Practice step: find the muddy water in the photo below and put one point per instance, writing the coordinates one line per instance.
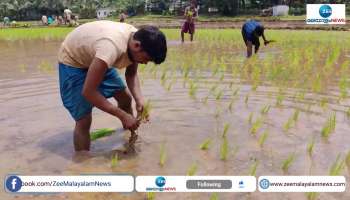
(36, 131)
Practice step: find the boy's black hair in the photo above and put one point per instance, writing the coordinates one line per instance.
(153, 42)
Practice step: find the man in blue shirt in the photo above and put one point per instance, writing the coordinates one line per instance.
(251, 31)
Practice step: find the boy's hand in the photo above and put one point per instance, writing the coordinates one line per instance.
(139, 108)
(266, 42)
(130, 122)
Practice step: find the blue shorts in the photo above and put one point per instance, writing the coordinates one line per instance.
(71, 85)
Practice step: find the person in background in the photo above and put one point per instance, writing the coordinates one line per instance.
(122, 17)
(44, 20)
(6, 21)
(49, 20)
(67, 16)
(251, 31)
(190, 14)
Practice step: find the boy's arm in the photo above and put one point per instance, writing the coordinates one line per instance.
(95, 75)
(133, 82)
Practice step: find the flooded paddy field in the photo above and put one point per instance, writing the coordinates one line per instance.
(285, 111)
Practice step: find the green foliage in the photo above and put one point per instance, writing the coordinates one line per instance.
(205, 145)
(101, 133)
(253, 167)
(226, 127)
(192, 170)
(224, 149)
(288, 162)
(329, 127)
(310, 146)
(263, 138)
(162, 155)
(337, 167)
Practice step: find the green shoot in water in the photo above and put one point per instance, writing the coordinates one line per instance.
(226, 127)
(146, 110)
(192, 90)
(250, 118)
(192, 170)
(231, 105)
(114, 160)
(279, 99)
(337, 167)
(219, 95)
(163, 156)
(348, 113)
(288, 162)
(224, 149)
(255, 126)
(235, 92)
(310, 146)
(253, 167)
(329, 127)
(263, 138)
(205, 145)
(312, 195)
(347, 159)
(101, 133)
(288, 124)
(246, 99)
(296, 115)
(214, 196)
(265, 110)
(151, 195)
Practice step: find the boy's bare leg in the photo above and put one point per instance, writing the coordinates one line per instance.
(192, 37)
(182, 36)
(82, 133)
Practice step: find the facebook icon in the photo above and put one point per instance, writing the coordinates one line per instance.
(13, 183)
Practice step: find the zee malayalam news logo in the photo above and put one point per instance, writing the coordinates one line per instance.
(325, 14)
(160, 183)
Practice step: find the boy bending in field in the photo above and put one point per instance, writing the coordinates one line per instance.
(87, 75)
(251, 31)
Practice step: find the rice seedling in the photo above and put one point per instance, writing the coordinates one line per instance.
(192, 170)
(224, 149)
(250, 118)
(151, 195)
(218, 112)
(230, 105)
(288, 162)
(214, 196)
(337, 167)
(163, 156)
(222, 77)
(219, 95)
(310, 146)
(205, 145)
(296, 115)
(226, 127)
(348, 113)
(146, 110)
(215, 72)
(265, 110)
(263, 138)
(255, 126)
(192, 90)
(311, 195)
(253, 167)
(246, 99)
(347, 159)
(279, 99)
(101, 133)
(205, 99)
(235, 92)
(329, 127)
(288, 124)
(114, 160)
